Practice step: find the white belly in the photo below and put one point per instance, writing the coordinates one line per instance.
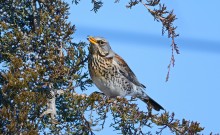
(109, 88)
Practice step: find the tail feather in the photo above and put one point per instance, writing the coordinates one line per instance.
(153, 103)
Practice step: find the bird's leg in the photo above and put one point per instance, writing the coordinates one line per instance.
(133, 98)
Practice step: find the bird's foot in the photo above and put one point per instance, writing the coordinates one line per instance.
(97, 93)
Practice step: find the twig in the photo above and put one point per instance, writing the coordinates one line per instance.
(51, 104)
(168, 25)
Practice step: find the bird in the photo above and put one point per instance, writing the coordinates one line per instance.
(112, 75)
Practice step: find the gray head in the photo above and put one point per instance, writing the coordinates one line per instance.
(100, 46)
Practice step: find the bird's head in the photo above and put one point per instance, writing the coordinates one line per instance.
(100, 46)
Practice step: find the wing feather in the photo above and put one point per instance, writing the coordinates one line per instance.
(126, 71)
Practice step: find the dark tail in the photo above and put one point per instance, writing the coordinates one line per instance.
(153, 103)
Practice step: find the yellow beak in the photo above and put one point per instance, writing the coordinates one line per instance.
(92, 40)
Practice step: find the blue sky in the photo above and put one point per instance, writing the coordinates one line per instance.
(193, 89)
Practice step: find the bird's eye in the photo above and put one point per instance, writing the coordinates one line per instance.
(101, 42)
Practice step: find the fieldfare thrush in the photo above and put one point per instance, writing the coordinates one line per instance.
(111, 74)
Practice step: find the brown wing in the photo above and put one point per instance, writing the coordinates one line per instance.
(126, 71)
